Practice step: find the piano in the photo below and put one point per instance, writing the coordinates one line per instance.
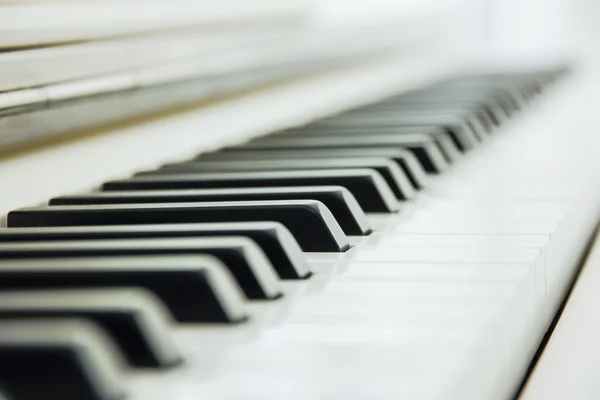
(312, 213)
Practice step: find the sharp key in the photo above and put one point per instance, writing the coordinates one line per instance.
(388, 169)
(67, 359)
(457, 126)
(441, 137)
(134, 319)
(193, 288)
(311, 223)
(422, 145)
(337, 199)
(4, 395)
(367, 186)
(241, 256)
(273, 238)
(404, 158)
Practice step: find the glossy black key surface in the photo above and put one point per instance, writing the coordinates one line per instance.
(368, 186)
(134, 319)
(242, 257)
(488, 112)
(4, 394)
(422, 145)
(443, 102)
(274, 239)
(311, 223)
(441, 137)
(458, 127)
(337, 199)
(404, 158)
(498, 103)
(193, 288)
(67, 359)
(388, 169)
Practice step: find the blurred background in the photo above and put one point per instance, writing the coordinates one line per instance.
(229, 46)
(522, 26)
(492, 29)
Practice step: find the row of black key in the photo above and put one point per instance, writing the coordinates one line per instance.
(191, 242)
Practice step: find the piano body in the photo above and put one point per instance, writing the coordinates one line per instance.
(266, 210)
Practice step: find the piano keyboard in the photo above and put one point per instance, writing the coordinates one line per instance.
(404, 249)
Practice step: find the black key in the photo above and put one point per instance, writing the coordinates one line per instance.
(503, 100)
(478, 105)
(390, 112)
(134, 319)
(368, 186)
(193, 288)
(423, 146)
(241, 256)
(441, 137)
(274, 239)
(488, 111)
(457, 98)
(311, 223)
(404, 158)
(4, 395)
(463, 135)
(388, 169)
(337, 199)
(66, 359)
(465, 127)
(493, 85)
